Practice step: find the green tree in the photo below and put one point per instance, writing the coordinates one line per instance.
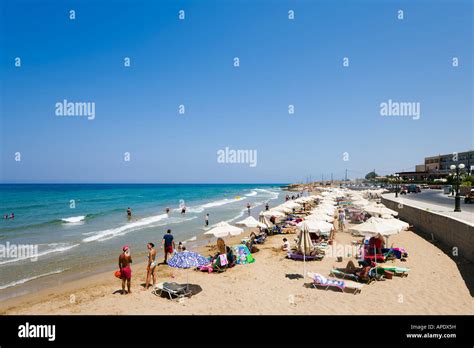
(371, 176)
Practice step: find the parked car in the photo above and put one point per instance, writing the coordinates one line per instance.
(469, 198)
(413, 188)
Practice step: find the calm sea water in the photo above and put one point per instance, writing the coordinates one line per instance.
(79, 228)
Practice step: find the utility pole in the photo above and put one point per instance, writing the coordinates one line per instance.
(345, 179)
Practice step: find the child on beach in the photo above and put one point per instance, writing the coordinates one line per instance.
(286, 245)
(125, 259)
(207, 220)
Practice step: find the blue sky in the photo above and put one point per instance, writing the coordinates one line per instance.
(190, 62)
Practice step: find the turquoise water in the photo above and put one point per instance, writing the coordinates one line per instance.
(78, 228)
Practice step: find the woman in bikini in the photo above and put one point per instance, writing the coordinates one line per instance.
(151, 266)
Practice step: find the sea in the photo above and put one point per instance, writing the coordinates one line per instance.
(62, 232)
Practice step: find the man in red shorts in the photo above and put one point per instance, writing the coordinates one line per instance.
(168, 244)
(125, 259)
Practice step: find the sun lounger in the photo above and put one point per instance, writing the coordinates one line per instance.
(172, 289)
(294, 256)
(326, 283)
(400, 271)
(340, 273)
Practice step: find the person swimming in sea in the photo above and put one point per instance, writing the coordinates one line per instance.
(167, 210)
(183, 210)
(129, 213)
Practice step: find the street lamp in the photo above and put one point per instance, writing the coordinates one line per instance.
(457, 198)
(396, 175)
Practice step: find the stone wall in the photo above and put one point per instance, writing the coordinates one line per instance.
(449, 231)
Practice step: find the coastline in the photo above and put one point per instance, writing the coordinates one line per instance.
(434, 286)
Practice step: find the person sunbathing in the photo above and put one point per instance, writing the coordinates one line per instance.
(361, 272)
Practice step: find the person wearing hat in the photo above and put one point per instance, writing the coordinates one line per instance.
(125, 259)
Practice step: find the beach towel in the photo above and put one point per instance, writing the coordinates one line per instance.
(242, 254)
(223, 259)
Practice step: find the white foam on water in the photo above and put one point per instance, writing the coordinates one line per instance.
(56, 248)
(273, 194)
(74, 219)
(252, 194)
(151, 221)
(213, 204)
(24, 280)
(132, 226)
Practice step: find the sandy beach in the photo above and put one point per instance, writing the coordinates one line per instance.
(271, 285)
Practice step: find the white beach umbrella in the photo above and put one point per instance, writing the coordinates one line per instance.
(223, 229)
(273, 212)
(281, 208)
(379, 210)
(251, 222)
(291, 205)
(399, 224)
(317, 226)
(374, 226)
(320, 216)
(305, 246)
(322, 211)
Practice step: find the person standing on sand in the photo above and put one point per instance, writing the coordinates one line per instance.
(151, 266)
(125, 259)
(267, 206)
(168, 244)
(207, 219)
(341, 217)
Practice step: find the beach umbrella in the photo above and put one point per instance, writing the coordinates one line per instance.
(360, 202)
(324, 211)
(264, 219)
(317, 226)
(291, 205)
(187, 259)
(223, 229)
(320, 216)
(379, 210)
(273, 212)
(374, 226)
(401, 225)
(281, 208)
(305, 246)
(251, 222)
